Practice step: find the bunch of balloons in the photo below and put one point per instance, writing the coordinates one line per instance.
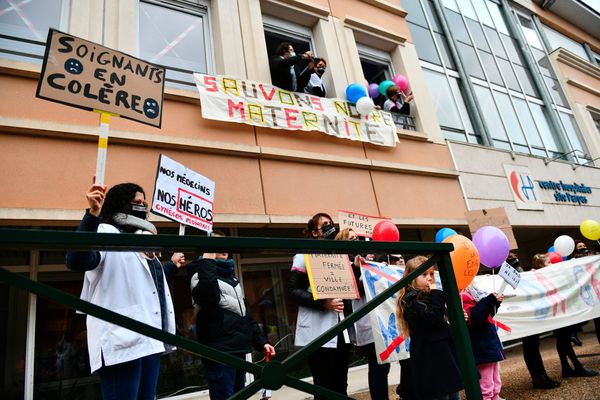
(355, 93)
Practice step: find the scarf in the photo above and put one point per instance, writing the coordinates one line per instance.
(130, 224)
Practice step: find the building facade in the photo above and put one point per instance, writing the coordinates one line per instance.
(496, 84)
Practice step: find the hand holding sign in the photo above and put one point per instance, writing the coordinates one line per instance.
(95, 198)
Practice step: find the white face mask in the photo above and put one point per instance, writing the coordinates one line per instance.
(292, 54)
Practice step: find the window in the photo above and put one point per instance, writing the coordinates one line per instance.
(376, 64)
(24, 27)
(557, 39)
(176, 34)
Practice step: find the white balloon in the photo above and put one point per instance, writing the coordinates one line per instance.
(564, 245)
(365, 105)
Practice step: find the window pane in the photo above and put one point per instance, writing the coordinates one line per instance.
(461, 104)
(443, 48)
(497, 17)
(467, 9)
(544, 127)
(557, 40)
(510, 118)
(573, 133)
(514, 54)
(457, 26)
(531, 131)
(543, 61)
(495, 42)
(414, 12)
(531, 36)
(482, 12)
(28, 20)
(424, 44)
(491, 116)
(526, 80)
(490, 68)
(446, 109)
(470, 60)
(556, 91)
(433, 18)
(451, 4)
(477, 34)
(509, 75)
(174, 39)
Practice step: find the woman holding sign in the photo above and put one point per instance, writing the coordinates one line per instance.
(130, 283)
(329, 364)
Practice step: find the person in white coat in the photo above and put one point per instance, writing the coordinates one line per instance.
(130, 283)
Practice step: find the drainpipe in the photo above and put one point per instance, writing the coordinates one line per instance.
(551, 114)
(473, 106)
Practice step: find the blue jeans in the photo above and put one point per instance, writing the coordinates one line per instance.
(130, 380)
(223, 381)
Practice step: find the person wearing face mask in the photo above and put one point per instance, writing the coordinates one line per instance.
(397, 101)
(223, 321)
(315, 85)
(328, 364)
(285, 72)
(581, 249)
(130, 283)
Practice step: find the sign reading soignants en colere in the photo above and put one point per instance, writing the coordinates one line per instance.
(238, 100)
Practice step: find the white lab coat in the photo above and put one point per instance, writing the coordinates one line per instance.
(122, 283)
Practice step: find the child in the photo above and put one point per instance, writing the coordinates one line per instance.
(421, 313)
(487, 348)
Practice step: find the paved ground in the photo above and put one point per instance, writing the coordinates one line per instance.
(517, 383)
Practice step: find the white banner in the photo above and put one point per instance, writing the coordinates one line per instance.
(183, 195)
(229, 99)
(559, 295)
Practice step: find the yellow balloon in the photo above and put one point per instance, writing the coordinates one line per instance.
(590, 229)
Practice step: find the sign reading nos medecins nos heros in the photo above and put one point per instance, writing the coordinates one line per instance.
(87, 75)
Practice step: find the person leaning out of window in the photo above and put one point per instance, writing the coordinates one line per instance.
(315, 85)
(285, 72)
(397, 101)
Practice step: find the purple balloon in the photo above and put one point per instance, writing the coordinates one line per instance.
(373, 90)
(492, 245)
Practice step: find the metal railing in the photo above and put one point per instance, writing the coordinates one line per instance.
(273, 374)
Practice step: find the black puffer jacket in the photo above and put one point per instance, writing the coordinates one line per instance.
(223, 320)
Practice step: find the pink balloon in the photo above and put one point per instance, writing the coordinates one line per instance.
(401, 81)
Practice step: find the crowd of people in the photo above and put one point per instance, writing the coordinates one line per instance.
(136, 284)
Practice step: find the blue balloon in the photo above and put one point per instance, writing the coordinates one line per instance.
(443, 234)
(565, 258)
(354, 91)
(551, 249)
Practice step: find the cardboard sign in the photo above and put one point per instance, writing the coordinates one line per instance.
(331, 276)
(230, 99)
(491, 217)
(510, 275)
(360, 223)
(183, 195)
(84, 74)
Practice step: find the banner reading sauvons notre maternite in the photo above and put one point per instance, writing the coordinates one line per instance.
(238, 100)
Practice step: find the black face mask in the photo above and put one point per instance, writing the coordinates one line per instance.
(328, 231)
(583, 251)
(137, 210)
(321, 71)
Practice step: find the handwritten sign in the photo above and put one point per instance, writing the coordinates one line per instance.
(360, 223)
(183, 195)
(510, 275)
(87, 75)
(237, 100)
(491, 217)
(331, 276)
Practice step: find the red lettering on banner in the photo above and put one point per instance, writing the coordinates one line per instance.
(267, 96)
(290, 119)
(211, 83)
(239, 107)
(552, 294)
(316, 102)
(347, 127)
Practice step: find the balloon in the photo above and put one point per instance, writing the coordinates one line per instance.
(401, 81)
(492, 245)
(550, 249)
(383, 86)
(373, 90)
(355, 91)
(554, 257)
(589, 228)
(386, 231)
(443, 234)
(365, 105)
(465, 260)
(564, 245)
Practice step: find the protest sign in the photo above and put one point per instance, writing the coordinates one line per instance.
(331, 276)
(491, 217)
(87, 75)
(360, 223)
(230, 99)
(509, 274)
(183, 195)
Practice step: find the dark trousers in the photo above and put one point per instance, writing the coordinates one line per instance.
(597, 326)
(405, 389)
(378, 373)
(329, 368)
(223, 380)
(130, 380)
(564, 348)
(532, 356)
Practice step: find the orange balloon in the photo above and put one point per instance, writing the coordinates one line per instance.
(465, 260)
